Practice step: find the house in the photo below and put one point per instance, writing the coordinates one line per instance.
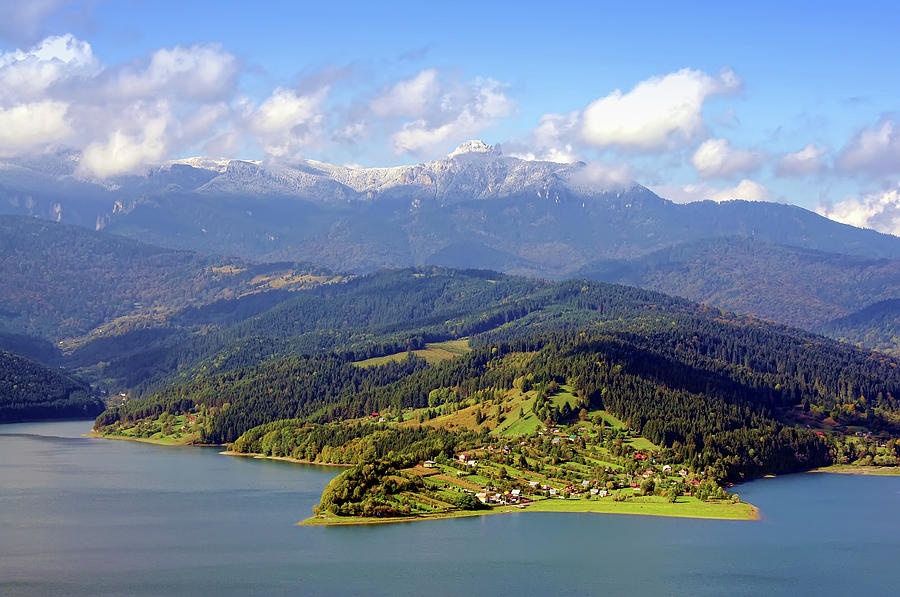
(555, 440)
(516, 492)
(429, 464)
(683, 473)
(463, 457)
(603, 493)
(585, 483)
(553, 491)
(595, 491)
(533, 483)
(666, 468)
(640, 456)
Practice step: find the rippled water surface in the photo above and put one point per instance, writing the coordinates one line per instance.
(83, 516)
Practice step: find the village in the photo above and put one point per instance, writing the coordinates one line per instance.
(581, 462)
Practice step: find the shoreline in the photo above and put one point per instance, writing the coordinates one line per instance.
(849, 469)
(147, 440)
(749, 513)
(257, 456)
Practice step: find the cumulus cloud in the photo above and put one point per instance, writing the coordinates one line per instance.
(200, 71)
(447, 112)
(808, 160)
(57, 93)
(288, 122)
(873, 150)
(409, 97)
(27, 127)
(746, 190)
(550, 140)
(597, 176)
(879, 211)
(124, 151)
(716, 158)
(658, 113)
(28, 74)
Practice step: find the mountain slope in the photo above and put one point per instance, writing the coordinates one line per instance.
(725, 392)
(31, 391)
(63, 281)
(801, 287)
(527, 217)
(876, 326)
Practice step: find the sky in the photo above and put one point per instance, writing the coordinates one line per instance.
(796, 102)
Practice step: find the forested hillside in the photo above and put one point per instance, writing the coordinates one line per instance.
(787, 284)
(731, 394)
(801, 287)
(63, 281)
(386, 312)
(31, 391)
(876, 326)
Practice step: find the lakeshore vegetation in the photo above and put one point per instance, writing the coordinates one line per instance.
(564, 387)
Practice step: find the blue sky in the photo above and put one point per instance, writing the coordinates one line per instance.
(793, 102)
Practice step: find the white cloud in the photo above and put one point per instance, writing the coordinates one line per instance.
(27, 74)
(200, 71)
(57, 93)
(28, 127)
(142, 137)
(409, 97)
(597, 176)
(287, 122)
(717, 158)
(658, 113)
(808, 160)
(746, 190)
(550, 140)
(460, 111)
(879, 211)
(873, 150)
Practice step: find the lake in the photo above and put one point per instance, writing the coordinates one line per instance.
(85, 516)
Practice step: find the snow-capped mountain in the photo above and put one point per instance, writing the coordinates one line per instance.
(473, 170)
(473, 208)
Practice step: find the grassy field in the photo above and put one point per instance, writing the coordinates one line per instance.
(564, 396)
(166, 430)
(849, 469)
(685, 507)
(434, 352)
(608, 418)
(159, 441)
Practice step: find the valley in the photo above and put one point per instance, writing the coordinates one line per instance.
(543, 379)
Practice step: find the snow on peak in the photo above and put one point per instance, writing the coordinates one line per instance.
(218, 165)
(476, 146)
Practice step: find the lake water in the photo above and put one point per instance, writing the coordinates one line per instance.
(82, 516)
